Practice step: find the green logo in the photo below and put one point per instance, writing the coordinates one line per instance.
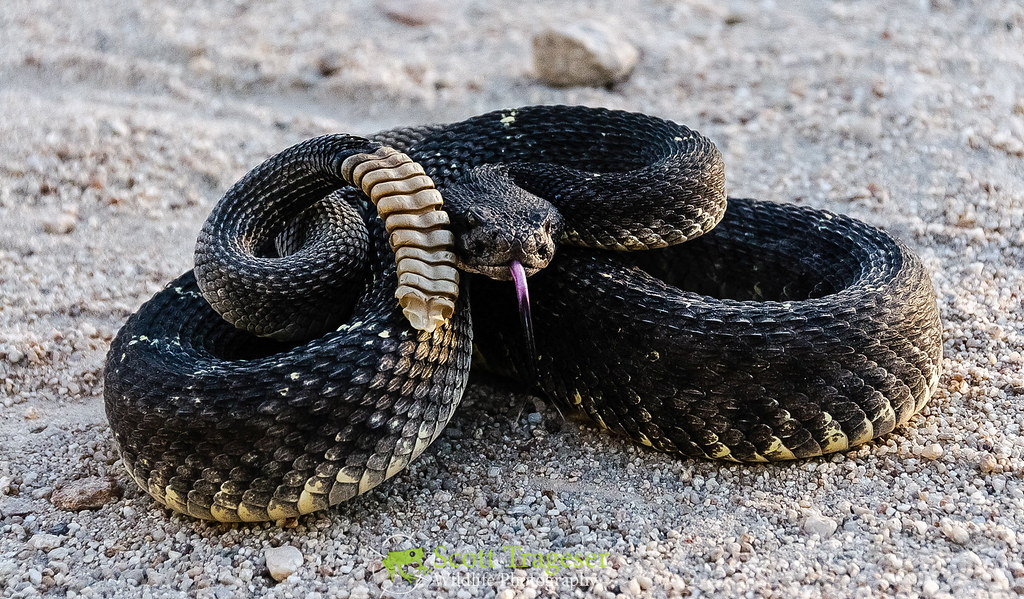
(396, 561)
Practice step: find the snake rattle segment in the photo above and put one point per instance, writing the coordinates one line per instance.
(324, 338)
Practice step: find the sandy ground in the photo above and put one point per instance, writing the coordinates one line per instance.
(122, 122)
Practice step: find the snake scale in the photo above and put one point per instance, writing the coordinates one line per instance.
(280, 376)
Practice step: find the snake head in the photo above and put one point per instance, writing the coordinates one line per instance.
(496, 223)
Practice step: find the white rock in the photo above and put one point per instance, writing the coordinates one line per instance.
(15, 355)
(282, 561)
(931, 452)
(954, 531)
(45, 541)
(817, 524)
(588, 53)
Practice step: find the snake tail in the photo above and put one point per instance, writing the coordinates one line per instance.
(418, 232)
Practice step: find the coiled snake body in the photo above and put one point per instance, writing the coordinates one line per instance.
(783, 332)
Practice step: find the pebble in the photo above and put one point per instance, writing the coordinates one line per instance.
(31, 413)
(583, 54)
(954, 531)
(86, 493)
(932, 451)
(817, 524)
(45, 541)
(634, 587)
(987, 463)
(15, 355)
(282, 561)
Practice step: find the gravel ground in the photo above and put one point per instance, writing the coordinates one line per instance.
(122, 122)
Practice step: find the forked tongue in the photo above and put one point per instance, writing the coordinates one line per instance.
(525, 318)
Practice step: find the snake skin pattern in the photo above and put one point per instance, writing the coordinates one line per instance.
(784, 332)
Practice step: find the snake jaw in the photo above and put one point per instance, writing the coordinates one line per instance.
(519, 275)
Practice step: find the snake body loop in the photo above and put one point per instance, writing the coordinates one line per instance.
(281, 376)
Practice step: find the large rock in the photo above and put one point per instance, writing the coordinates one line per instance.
(282, 561)
(86, 493)
(583, 54)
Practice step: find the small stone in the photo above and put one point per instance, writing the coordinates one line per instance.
(588, 53)
(282, 561)
(816, 524)
(931, 452)
(15, 355)
(88, 329)
(930, 588)
(158, 534)
(360, 592)
(954, 531)
(86, 493)
(987, 463)
(507, 594)
(534, 418)
(61, 224)
(645, 582)
(45, 541)
(634, 587)
(413, 13)
(31, 413)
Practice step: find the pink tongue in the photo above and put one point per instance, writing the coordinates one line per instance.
(525, 318)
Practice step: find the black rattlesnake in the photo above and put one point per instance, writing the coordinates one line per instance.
(783, 332)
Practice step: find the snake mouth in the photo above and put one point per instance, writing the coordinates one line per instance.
(518, 274)
(502, 272)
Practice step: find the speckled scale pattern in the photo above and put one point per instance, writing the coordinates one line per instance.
(621, 180)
